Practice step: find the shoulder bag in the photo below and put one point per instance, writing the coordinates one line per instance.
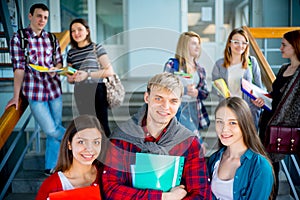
(115, 91)
(283, 139)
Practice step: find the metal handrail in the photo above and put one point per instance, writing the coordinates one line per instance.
(20, 160)
(288, 176)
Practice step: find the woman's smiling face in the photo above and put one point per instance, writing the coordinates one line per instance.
(227, 127)
(86, 146)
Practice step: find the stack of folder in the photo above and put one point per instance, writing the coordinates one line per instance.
(159, 172)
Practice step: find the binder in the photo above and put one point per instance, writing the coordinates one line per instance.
(83, 193)
(255, 92)
(159, 172)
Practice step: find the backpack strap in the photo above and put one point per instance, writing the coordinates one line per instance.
(24, 43)
(250, 68)
(54, 46)
(175, 65)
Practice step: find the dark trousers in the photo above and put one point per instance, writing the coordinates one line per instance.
(91, 99)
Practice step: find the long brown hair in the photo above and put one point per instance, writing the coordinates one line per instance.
(182, 50)
(245, 121)
(65, 158)
(228, 53)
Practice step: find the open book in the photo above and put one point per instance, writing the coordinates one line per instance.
(255, 92)
(89, 192)
(43, 69)
(159, 172)
(62, 71)
(222, 88)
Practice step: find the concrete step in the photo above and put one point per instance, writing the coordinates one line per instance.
(28, 181)
(20, 196)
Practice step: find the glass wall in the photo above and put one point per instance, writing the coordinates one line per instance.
(109, 17)
(204, 17)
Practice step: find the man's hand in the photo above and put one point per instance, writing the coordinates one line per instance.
(175, 193)
(13, 101)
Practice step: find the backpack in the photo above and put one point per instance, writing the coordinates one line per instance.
(24, 44)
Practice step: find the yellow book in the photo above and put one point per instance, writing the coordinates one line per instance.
(43, 69)
(222, 88)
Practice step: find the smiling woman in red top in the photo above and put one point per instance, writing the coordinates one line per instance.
(78, 164)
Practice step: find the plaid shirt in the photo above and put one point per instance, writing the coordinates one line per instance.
(117, 179)
(36, 85)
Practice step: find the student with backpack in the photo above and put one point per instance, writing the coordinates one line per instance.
(237, 64)
(34, 45)
(192, 113)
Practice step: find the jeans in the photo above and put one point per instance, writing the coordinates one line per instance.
(187, 115)
(48, 115)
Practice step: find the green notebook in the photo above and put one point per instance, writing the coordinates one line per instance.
(159, 172)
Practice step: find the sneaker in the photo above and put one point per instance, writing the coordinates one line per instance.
(48, 172)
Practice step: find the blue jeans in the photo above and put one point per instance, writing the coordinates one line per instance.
(48, 115)
(187, 115)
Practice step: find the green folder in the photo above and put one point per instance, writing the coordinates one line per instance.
(158, 172)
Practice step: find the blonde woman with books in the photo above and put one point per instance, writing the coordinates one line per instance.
(192, 112)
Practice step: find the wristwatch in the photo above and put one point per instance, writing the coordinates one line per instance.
(89, 75)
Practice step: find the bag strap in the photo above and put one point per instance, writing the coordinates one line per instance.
(285, 97)
(250, 68)
(24, 43)
(54, 46)
(96, 57)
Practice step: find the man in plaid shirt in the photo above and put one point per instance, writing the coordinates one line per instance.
(41, 89)
(155, 129)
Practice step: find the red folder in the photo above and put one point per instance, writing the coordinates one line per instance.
(89, 192)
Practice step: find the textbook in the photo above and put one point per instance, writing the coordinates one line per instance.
(43, 69)
(222, 88)
(158, 172)
(62, 71)
(255, 92)
(182, 74)
(67, 70)
(83, 193)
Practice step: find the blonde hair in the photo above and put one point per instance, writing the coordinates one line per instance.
(182, 50)
(167, 81)
(227, 51)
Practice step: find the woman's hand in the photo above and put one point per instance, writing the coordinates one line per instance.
(71, 78)
(259, 102)
(80, 76)
(175, 193)
(191, 90)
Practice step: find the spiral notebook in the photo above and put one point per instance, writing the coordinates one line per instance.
(159, 172)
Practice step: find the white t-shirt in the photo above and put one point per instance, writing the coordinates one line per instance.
(223, 190)
(235, 73)
(66, 185)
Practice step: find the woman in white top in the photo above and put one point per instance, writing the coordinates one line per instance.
(78, 164)
(237, 64)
